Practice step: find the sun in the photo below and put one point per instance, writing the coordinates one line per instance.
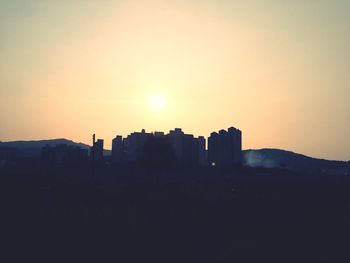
(157, 102)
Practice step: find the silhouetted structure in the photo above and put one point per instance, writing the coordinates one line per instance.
(96, 151)
(63, 154)
(202, 152)
(7, 154)
(225, 148)
(117, 149)
(157, 154)
(176, 138)
(133, 144)
(188, 150)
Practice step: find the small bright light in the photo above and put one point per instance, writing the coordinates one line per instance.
(157, 102)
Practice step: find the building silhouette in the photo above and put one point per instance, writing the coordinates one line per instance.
(225, 148)
(157, 154)
(96, 151)
(117, 149)
(133, 145)
(202, 152)
(176, 139)
(189, 151)
(63, 154)
(7, 154)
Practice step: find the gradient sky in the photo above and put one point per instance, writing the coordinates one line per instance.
(278, 70)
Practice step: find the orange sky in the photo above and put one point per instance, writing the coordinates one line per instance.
(278, 71)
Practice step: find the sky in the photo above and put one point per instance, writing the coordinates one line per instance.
(277, 70)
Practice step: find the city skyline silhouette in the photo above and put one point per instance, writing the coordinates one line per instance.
(174, 131)
(279, 72)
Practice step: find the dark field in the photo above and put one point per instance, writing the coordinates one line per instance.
(181, 217)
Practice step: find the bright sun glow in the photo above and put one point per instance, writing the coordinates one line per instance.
(157, 102)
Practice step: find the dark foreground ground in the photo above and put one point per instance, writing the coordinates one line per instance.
(184, 217)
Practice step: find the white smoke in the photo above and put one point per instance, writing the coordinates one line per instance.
(256, 159)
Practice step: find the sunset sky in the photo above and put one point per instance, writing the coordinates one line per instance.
(277, 70)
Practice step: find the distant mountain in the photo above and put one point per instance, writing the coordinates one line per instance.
(33, 148)
(275, 158)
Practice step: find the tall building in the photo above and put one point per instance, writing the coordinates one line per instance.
(99, 150)
(96, 151)
(176, 139)
(189, 151)
(225, 148)
(213, 148)
(202, 153)
(117, 149)
(235, 138)
(134, 143)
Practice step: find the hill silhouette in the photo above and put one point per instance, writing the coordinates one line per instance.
(276, 158)
(33, 148)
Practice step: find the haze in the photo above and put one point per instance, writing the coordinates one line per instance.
(278, 70)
